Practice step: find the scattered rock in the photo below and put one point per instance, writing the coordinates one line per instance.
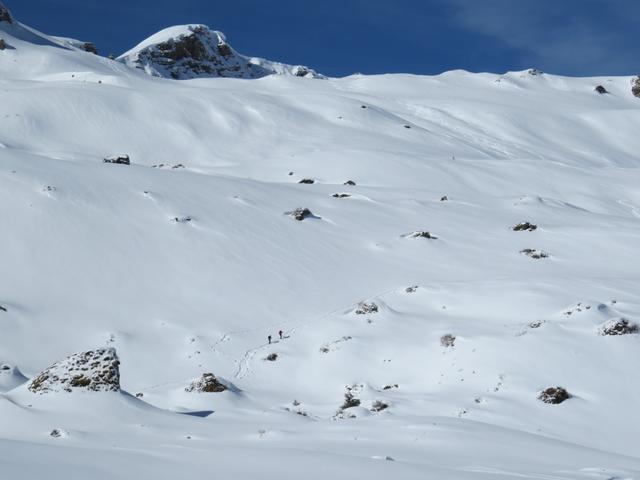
(448, 340)
(3, 44)
(118, 159)
(307, 181)
(168, 166)
(524, 226)
(379, 406)
(300, 214)
(534, 72)
(366, 308)
(272, 357)
(407, 126)
(182, 219)
(421, 234)
(619, 326)
(59, 433)
(601, 90)
(139, 395)
(635, 86)
(363, 106)
(411, 289)
(94, 370)
(536, 324)
(350, 183)
(208, 383)
(554, 395)
(340, 195)
(444, 199)
(389, 387)
(532, 253)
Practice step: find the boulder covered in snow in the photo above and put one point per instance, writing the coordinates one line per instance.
(93, 370)
(619, 326)
(195, 51)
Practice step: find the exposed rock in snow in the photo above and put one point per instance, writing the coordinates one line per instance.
(448, 340)
(79, 44)
(421, 234)
(94, 370)
(195, 51)
(533, 253)
(554, 395)
(524, 226)
(118, 159)
(207, 383)
(366, 308)
(635, 86)
(619, 326)
(300, 213)
(601, 90)
(5, 15)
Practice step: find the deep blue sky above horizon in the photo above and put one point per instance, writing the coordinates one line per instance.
(340, 37)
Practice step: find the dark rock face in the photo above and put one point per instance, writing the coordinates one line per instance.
(524, 226)
(554, 395)
(94, 370)
(118, 159)
(635, 86)
(307, 181)
(601, 90)
(195, 51)
(340, 195)
(208, 383)
(350, 183)
(620, 326)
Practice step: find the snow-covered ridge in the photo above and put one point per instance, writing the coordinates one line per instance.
(195, 51)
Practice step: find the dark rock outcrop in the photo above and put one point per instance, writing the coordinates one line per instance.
(118, 159)
(635, 86)
(5, 15)
(195, 51)
(94, 370)
(524, 226)
(207, 383)
(601, 90)
(619, 326)
(365, 308)
(554, 395)
(300, 214)
(533, 253)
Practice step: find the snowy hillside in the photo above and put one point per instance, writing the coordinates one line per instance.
(194, 51)
(468, 259)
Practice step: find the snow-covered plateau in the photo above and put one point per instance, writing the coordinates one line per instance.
(453, 262)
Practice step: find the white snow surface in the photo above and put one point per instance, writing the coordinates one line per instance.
(187, 267)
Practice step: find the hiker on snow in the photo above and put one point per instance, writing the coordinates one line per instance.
(280, 333)
(269, 338)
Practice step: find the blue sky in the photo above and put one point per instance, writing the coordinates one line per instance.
(340, 37)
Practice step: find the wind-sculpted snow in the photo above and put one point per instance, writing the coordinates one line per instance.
(466, 308)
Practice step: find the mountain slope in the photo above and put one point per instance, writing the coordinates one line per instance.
(195, 51)
(186, 260)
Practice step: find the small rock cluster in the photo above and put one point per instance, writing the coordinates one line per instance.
(422, 234)
(300, 214)
(533, 253)
(93, 370)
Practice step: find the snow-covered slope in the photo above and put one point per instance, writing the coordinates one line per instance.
(402, 355)
(194, 51)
